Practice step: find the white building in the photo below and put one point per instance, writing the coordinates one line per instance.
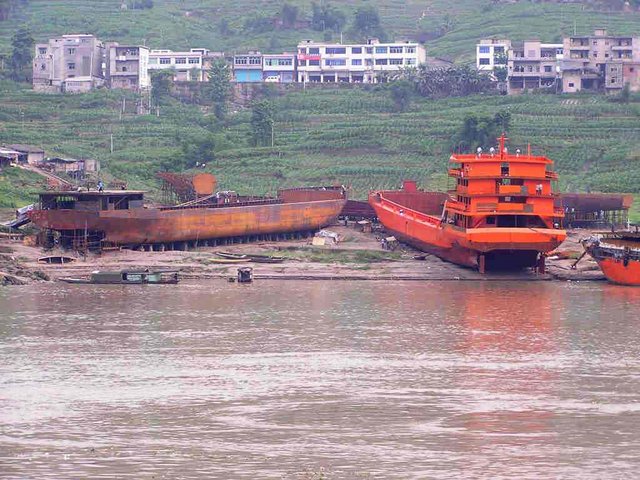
(359, 63)
(492, 53)
(126, 67)
(189, 66)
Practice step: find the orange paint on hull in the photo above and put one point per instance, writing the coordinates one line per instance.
(461, 246)
(616, 271)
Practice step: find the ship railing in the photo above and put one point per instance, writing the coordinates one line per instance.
(455, 172)
(456, 205)
(558, 212)
(551, 175)
(270, 201)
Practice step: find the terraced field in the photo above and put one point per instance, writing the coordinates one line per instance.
(351, 137)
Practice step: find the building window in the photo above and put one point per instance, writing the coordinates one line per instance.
(181, 60)
(410, 49)
(196, 61)
(485, 61)
(285, 62)
(314, 63)
(43, 67)
(547, 68)
(165, 61)
(613, 80)
(71, 66)
(357, 61)
(335, 62)
(484, 49)
(241, 60)
(395, 49)
(381, 49)
(253, 61)
(336, 50)
(381, 61)
(302, 50)
(42, 51)
(571, 84)
(395, 61)
(606, 55)
(314, 51)
(71, 51)
(356, 50)
(410, 61)
(369, 49)
(302, 63)
(153, 61)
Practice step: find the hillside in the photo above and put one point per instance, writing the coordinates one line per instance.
(449, 28)
(348, 136)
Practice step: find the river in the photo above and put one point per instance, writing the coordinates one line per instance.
(310, 380)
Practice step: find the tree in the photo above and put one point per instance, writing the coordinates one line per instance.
(481, 131)
(366, 23)
(220, 87)
(21, 55)
(500, 73)
(289, 15)
(161, 85)
(451, 81)
(262, 122)
(401, 92)
(198, 150)
(326, 17)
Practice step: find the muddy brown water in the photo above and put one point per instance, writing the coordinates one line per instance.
(320, 379)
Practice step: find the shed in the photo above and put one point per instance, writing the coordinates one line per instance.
(8, 156)
(30, 154)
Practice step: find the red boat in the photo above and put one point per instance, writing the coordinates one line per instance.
(500, 215)
(618, 255)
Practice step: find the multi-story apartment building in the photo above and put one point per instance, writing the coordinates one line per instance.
(247, 67)
(127, 67)
(191, 66)
(360, 63)
(492, 53)
(280, 68)
(590, 61)
(70, 63)
(533, 65)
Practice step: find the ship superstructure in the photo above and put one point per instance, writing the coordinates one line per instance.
(501, 214)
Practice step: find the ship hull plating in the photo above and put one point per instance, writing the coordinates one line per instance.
(155, 225)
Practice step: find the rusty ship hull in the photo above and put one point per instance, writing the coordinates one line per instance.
(293, 211)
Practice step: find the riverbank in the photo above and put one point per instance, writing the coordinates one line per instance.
(357, 256)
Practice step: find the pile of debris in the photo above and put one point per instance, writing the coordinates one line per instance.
(13, 272)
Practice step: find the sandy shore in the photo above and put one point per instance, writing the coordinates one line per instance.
(358, 256)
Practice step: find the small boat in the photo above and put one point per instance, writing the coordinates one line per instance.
(229, 260)
(57, 259)
(266, 259)
(232, 255)
(128, 277)
(618, 255)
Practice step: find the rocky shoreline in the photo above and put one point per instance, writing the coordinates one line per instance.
(358, 256)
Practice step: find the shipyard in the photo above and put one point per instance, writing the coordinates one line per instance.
(319, 239)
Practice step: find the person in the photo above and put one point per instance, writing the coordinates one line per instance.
(100, 186)
(539, 189)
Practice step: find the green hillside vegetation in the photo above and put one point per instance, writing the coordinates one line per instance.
(450, 29)
(349, 136)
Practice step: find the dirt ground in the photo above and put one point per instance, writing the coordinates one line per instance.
(358, 256)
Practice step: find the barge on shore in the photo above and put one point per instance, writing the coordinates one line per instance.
(502, 213)
(91, 220)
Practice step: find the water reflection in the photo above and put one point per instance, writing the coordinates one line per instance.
(278, 380)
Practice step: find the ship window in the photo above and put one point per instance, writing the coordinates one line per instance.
(504, 169)
(491, 220)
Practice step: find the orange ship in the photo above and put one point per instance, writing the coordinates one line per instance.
(618, 255)
(501, 214)
(95, 219)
